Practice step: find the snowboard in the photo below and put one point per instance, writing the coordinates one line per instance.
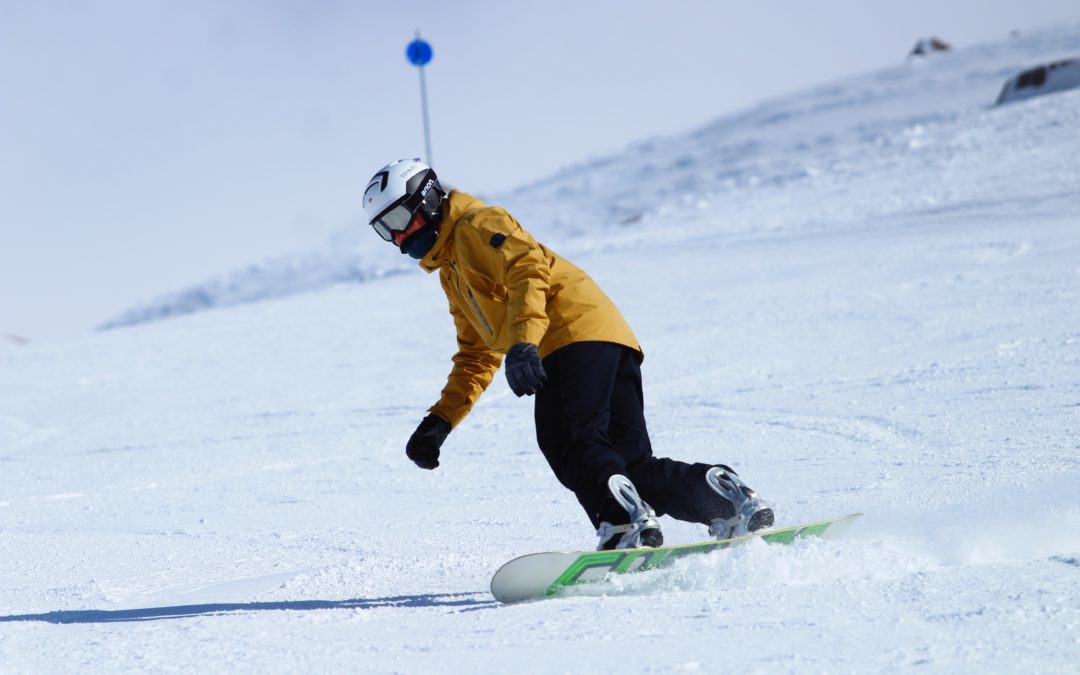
(540, 575)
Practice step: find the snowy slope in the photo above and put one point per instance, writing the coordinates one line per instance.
(865, 297)
(793, 149)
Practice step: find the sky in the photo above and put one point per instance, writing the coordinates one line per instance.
(148, 145)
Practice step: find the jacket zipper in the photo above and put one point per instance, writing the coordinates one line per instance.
(480, 314)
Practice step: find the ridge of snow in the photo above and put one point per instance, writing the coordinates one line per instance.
(810, 139)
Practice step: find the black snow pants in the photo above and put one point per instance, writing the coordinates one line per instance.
(590, 425)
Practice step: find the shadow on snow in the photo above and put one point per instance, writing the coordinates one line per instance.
(460, 601)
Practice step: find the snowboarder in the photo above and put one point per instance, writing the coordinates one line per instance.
(566, 343)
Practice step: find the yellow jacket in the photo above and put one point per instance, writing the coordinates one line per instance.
(504, 288)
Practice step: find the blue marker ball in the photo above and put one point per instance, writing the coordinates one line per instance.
(418, 52)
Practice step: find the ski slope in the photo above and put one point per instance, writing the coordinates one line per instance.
(864, 296)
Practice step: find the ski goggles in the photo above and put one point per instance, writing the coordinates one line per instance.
(393, 221)
(398, 217)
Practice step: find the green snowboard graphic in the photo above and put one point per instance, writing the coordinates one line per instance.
(539, 575)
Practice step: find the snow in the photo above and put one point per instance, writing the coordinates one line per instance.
(865, 297)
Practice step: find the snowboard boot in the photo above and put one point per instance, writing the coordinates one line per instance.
(745, 512)
(641, 531)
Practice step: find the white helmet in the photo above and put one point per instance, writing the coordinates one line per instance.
(400, 189)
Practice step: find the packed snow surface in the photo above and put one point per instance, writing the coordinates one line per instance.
(865, 297)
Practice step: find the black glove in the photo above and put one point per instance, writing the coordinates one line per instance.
(423, 446)
(524, 371)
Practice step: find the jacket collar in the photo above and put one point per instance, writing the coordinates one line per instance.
(458, 204)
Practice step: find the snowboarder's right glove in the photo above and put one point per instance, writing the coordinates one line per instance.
(423, 446)
(524, 370)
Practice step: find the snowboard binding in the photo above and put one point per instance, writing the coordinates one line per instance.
(641, 531)
(749, 512)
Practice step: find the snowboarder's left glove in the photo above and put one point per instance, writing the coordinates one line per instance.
(423, 446)
(524, 370)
